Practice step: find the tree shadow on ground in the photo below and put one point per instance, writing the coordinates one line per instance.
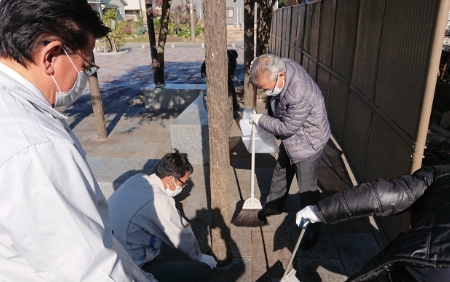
(311, 264)
(233, 270)
(148, 168)
(202, 225)
(118, 94)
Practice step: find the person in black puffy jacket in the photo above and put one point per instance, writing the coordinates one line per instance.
(420, 254)
(232, 56)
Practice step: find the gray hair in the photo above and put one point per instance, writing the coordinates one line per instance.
(266, 64)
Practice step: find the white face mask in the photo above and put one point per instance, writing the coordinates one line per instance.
(171, 193)
(275, 90)
(67, 98)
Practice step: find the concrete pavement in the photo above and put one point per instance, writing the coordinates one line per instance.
(137, 139)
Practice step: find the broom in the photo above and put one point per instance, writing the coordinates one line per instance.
(248, 216)
(290, 276)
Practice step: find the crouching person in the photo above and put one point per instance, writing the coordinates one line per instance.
(420, 254)
(143, 216)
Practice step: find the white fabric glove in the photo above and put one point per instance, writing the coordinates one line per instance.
(255, 118)
(308, 213)
(209, 260)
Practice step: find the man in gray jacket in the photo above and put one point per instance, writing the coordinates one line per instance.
(143, 216)
(296, 115)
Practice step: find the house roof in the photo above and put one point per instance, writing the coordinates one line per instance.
(107, 3)
(110, 6)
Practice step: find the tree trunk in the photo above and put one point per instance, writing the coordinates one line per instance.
(151, 36)
(217, 93)
(249, 50)
(97, 106)
(265, 13)
(157, 52)
(165, 18)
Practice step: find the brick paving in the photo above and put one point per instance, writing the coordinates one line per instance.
(137, 139)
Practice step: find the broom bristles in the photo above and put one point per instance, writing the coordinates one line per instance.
(248, 218)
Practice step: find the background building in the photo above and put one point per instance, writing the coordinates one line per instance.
(234, 11)
(101, 5)
(135, 9)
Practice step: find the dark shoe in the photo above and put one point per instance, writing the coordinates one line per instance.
(262, 216)
(310, 237)
(265, 212)
(274, 207)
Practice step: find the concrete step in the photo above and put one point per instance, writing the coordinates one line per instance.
(112, 172)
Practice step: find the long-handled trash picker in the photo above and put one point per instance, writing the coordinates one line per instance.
(249, 213)
(290, 276)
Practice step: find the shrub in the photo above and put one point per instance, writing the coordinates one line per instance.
(117, 35)
(184, 31)
(198, 30)
(140, 21)
(157, 23)
(171, 28)
(127, 30)
(180, 19)
(141, 30)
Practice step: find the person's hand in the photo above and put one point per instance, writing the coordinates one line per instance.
(308, 213)
(209, 260)
(254, 118)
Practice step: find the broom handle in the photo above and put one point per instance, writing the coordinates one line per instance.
(252, 181)
(303, 224)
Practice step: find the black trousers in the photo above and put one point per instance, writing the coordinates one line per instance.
(232, 91)
(175, 271)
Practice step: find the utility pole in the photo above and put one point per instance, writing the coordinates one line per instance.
(191, 12)
(217, 93)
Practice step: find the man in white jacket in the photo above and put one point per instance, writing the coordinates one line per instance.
(54, 220)
(143, 216)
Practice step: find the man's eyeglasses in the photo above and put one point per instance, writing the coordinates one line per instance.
(268, 91)
(183, 184)
(92, 69)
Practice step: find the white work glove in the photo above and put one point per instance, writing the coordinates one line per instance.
(254, 118)
(307, 213)
(209, 260)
